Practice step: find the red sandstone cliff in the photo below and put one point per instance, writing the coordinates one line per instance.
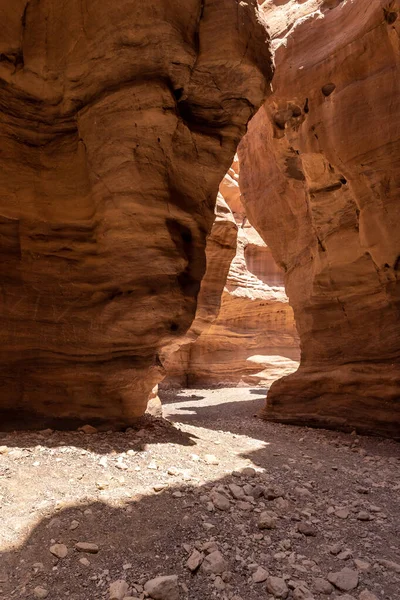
(118, 121)
(320, 176)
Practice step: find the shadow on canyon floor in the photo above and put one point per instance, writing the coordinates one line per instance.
(172, 396)
(144, 536)
(156, 431)
(210, 410)
(220, 409)
(140, 533)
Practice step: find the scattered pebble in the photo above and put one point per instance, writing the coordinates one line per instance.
(363, 515)
(267, 520)
(118, 590)
(344, 580)
(322, 586)
(40, 592)
(195, 560)
(260, 575)
(210, 459)
(220, 501)
(307, 529)
(389, 564)
(163, 588)
(367, 595)
(59, 550)
(88, 429)
(214, 563)
(277, 587)
(88, 547)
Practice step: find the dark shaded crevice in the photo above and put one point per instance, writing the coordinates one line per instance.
(197, 32)
(13, 58)
(178, 94)
(21, 60)
(329, 188)
(328, 89)
(191, 115)
(390, 16)
(188, 279)
(24, 15)
(293, 168)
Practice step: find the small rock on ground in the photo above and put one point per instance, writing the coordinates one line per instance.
(345, 580)
(164, 587)
(277, 587)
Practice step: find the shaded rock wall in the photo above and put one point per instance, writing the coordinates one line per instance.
(320, 178)
(220, 250)
(250, 337)
(118, 121)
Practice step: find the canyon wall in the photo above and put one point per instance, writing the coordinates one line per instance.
(220, 250)
(320, 179)
(118, 121)
(250, 337)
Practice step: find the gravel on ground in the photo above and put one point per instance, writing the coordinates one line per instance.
(210, 502)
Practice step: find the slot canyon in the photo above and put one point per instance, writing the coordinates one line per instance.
(200, 299)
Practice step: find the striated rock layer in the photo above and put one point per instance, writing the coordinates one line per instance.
(118, 121)
(320, 178)
(251, 336)
(220, 250)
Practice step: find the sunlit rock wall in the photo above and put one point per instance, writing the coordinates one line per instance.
(320, 179)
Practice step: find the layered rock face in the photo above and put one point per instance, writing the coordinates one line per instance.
(249, 336)
(118, 121)
(320, 178)
(220, 250)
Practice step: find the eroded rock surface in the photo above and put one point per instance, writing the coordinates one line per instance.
(118, 121)
(320, 181)
(220, 250)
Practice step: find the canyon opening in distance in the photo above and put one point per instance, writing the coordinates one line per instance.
(200, 299)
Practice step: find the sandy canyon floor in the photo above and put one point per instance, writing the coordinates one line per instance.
(234, 507)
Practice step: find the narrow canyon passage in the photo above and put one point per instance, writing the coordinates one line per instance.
(199, 299)
(117, 125)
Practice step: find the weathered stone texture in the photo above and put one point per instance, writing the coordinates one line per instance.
(117, 123)
(320, 178)
(249, 336)
(220, 250)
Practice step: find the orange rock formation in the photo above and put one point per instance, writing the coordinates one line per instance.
(320, 177)
(250, 337)
(118, 121)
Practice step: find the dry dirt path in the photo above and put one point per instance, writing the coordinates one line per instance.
(260, 510)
